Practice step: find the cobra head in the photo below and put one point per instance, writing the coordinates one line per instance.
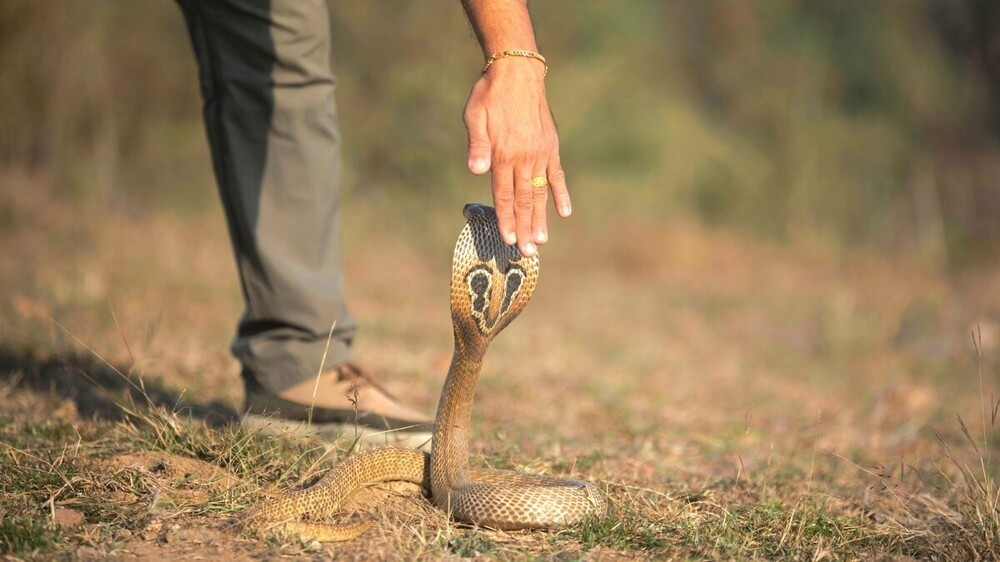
(491, 281)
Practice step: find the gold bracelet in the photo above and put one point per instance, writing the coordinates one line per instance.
(516, 53)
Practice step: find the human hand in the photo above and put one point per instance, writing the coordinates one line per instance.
(512, 133)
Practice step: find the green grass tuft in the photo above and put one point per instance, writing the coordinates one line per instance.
(625, 531)
(26, 535)
(470, 545)
(775, 530)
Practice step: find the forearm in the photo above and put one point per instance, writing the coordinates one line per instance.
(501, 25)
(511, 131)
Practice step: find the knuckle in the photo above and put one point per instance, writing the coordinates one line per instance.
(469, 116)
(523, 203)
(504, 155)
(538, 152)
(504, 196)
(557, 175)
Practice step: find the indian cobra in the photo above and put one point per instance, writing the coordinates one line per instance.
(491, 283)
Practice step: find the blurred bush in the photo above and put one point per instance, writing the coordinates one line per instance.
(846, 123)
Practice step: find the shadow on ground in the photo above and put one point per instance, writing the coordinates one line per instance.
(99, 390)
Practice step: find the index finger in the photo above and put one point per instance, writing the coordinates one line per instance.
(560, 193)
(502, 180)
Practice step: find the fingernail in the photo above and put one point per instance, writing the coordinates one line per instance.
(541, 237)
(511, 238)
(566, 210)
(480, 165)
(530, 249)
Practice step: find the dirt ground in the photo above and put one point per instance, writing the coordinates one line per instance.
(736, 398)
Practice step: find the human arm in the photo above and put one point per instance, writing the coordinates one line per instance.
(511, 130)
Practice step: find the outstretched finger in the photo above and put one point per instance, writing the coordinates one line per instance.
(523, 210)
(560, 193)
(540, 194)
(503, 199)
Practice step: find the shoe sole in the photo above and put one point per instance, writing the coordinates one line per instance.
(336, 433)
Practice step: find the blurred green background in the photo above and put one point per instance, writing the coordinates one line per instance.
(847, 124)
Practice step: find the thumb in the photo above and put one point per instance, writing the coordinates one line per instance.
(479, 140)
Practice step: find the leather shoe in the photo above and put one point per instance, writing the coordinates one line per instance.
(345, 403)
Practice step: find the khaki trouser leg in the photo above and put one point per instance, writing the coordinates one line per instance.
(264, 68)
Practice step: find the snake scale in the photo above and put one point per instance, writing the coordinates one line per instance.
(491, 283)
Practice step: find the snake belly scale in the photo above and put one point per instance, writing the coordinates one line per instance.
(491, 283)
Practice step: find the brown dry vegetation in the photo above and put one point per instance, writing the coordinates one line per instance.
(735, 398)
(755, 333)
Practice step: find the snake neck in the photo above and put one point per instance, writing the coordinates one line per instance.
(450, 449)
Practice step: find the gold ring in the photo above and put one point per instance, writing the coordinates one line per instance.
(539, 182)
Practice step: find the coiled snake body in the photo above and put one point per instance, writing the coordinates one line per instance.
(491, 283)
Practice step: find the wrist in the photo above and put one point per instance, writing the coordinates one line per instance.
(520, 59)
(520, 70)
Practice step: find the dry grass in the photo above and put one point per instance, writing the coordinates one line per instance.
(735, 399)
